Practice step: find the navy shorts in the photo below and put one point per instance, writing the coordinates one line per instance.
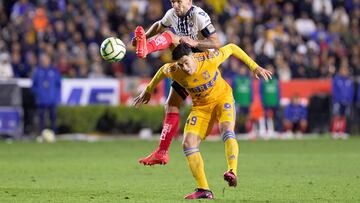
(179, 89)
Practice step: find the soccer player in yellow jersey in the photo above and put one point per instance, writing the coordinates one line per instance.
(212, 100)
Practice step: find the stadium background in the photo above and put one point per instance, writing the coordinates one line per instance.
(303, 42)
(96, 95)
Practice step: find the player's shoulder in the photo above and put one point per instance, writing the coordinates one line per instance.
(170, 14)
(198, 10)
(206, 55)
(169, 68)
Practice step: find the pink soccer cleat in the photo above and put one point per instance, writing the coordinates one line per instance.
(157, 157)
(231, 178)
(200, 194)
(141, 48)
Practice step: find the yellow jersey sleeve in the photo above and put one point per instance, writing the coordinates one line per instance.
(232, 49)
(156, 79)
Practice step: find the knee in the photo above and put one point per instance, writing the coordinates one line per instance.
(187, 144)
(190, 141)
(226, 127)
(171, 108)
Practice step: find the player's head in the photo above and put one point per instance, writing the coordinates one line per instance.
(181, 7)
(45, 60)
(182, 54)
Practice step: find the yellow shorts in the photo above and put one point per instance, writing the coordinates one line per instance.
(201, 118)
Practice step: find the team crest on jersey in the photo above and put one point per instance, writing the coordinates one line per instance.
(206, 75)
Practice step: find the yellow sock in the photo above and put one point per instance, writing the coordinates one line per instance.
(196, 165)
(231, 150)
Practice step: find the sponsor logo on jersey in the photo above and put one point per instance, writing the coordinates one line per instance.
(206, 86)
(227, 106)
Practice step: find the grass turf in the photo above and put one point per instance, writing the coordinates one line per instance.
(320, 170)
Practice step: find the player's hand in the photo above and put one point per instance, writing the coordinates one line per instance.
(261, 72)
(190, 42)
(143, 98)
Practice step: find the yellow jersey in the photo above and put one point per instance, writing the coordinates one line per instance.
(206, 85)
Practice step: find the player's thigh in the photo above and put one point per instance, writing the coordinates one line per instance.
(226, 113)
(176, 96)
(198, 122)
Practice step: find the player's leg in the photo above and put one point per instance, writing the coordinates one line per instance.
(345, 113)
(42, 121)
(335, 123)
(52, 116)
(156, 43)
(227, 119)
(195, 130)
(170, 126)
(270, 123)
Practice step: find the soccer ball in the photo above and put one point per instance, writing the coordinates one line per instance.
(112, 49)
(48, 135)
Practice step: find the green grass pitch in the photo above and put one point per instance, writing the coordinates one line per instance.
(320, 170)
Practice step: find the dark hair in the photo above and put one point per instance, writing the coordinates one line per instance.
(181, 50)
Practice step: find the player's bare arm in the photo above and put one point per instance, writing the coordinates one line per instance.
(155, 29)
(258, 71)
(145, 95)
(212, 42)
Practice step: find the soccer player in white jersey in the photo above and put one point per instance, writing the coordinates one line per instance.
(185, 23)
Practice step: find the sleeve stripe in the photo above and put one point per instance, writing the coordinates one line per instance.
(206, 32)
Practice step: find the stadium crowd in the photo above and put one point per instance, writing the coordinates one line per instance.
(295, 39)
(302, 39)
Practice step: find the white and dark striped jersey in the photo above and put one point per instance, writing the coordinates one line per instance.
(196, 23)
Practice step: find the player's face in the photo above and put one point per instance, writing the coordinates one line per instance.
(187, 64)
(181, 6)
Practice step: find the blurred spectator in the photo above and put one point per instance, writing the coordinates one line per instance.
(322, 9)
(357, 106)
(270, 97)
(6, 70)
(257, 121)
(20, 9)
(46, 88)
(71, 29)
(342, 95)
(305, 25)
(96, 71)
(295, 118)
(21, 70)
(282, 68)
(242, 89)
(40, 20)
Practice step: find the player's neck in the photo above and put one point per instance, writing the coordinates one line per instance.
(187, 12)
